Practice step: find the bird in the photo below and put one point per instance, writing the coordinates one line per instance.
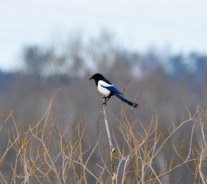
(108, 90)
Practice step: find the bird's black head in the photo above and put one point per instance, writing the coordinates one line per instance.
(97, 77)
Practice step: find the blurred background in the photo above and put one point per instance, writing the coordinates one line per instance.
(49, 45)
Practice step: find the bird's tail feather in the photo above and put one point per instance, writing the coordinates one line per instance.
(126, 101)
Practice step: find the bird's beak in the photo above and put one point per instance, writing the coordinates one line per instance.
(90, 78)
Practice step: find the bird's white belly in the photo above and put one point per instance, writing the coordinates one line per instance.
(103, 90)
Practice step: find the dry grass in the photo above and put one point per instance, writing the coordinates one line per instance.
(43, 154)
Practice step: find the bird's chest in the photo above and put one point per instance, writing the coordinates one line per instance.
(103, 90)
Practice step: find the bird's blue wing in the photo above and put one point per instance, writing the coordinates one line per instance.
(112, 89)
(116, 92)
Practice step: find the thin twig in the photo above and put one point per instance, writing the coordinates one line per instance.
(112, 149)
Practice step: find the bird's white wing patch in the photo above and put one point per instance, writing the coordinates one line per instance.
(103, 90)
(103, 83)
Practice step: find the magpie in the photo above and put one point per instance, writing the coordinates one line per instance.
(107, 89)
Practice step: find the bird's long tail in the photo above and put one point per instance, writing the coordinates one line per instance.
(126, 101)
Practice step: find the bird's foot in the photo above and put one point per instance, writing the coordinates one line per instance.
(104, 103)
(105, 100)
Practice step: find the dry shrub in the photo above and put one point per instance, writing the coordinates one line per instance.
(41, 153)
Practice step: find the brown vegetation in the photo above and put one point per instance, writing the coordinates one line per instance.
(42, 153)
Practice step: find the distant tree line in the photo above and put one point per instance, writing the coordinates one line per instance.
(79, 57)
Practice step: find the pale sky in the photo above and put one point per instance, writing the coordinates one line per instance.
(178, 24)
